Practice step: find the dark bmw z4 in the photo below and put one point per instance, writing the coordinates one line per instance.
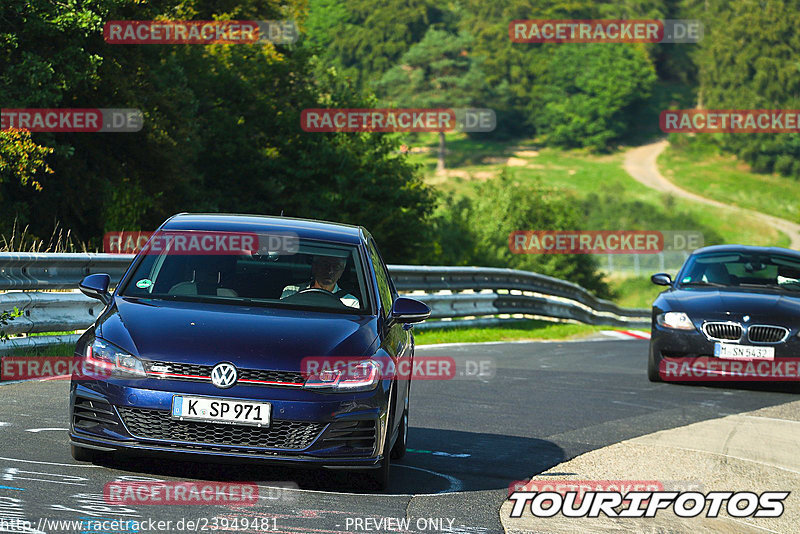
(202, 348)
(729, 302)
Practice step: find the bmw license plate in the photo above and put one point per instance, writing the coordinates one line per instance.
(732, 351)
(227, 411)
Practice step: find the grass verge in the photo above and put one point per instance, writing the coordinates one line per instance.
(621, 203)
(634, 292)
(512, 331)
(696, 165)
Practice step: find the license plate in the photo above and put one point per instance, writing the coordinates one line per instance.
(226, 411)
(731, 351)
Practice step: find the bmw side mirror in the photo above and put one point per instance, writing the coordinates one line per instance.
(406, 310)
(96, 287)
(661, 279)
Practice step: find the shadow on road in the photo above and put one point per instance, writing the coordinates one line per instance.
(435, 463)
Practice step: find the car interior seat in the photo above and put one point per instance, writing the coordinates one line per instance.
(717, 273)
(209, 275)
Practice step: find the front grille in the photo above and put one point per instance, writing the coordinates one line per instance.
(156, 424)
(178, 368)
(766, 334)
(89, 414)
(204, 371)
(272, 376)
(729, 331)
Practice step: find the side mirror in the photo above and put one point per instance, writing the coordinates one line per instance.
(96, 287)
(661, 279)
(406, 310)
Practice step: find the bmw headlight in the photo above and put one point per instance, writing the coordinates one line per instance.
(675, 320)
(102, 359)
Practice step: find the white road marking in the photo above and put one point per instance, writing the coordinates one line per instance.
(12, 473)
(43, 429)
(455, 484)
(47, 463)
(614, 334)
(626, 334)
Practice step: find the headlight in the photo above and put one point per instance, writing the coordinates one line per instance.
(676, 320)
(356, 376)
(104, 359)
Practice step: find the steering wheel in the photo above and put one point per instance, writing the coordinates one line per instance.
(319, 291)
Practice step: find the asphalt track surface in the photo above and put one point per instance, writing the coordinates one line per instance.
(469, 439)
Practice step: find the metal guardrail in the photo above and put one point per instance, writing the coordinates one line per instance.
(456, 295)
(21, 270)
(429, 279)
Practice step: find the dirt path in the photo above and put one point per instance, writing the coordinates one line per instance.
(640, 162)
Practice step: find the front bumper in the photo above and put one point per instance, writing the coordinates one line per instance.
(308, 428)
(672, 343)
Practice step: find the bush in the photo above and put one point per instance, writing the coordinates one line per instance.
(475, 232)
(5, 317)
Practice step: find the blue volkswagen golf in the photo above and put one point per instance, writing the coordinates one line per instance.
(252, 337)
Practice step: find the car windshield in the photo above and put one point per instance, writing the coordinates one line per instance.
(312, 275)
(741, 269)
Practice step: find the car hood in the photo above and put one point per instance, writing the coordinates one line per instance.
(733, 304)
(248, 337)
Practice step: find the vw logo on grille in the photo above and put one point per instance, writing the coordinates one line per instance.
(223, 375)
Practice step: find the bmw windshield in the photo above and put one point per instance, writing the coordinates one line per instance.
(746, 270)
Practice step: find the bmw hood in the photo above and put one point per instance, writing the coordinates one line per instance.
(734, 304)
(248, 337)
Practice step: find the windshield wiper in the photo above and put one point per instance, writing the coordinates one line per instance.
(761, 286)
(701, 283)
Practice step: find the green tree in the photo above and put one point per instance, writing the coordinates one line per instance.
(21, 159)
(437, 72)
(748, 59)
(363, 39)
(474, 231)
(221, 127)
(586, 94)
(512, 69)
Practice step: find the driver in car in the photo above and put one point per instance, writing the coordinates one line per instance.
(325, 273)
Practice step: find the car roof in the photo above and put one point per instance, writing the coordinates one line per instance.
(748, 249)
(303, 228)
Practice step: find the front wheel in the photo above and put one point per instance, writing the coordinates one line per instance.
(399, 449)
(379, 477)
(652, 367)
